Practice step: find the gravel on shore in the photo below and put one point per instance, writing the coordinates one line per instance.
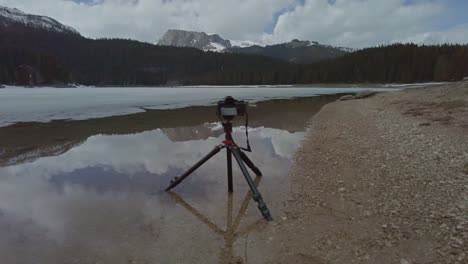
(381, 180)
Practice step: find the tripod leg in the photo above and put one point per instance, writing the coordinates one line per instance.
(194, 168)
(229, 170)
(250, 164)
(255, 193)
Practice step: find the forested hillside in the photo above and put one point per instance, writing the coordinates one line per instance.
(296, 51)
(400, 63)
(30, 56)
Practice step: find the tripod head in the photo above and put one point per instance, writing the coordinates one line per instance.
(227, 110)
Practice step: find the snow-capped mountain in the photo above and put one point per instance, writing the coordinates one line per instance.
(295, 43)
(199, 40)
(202, 41)
(295, 51)
(13, 16)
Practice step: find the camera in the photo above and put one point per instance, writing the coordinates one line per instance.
(230, 108)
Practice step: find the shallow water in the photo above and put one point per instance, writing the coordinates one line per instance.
(91, 191)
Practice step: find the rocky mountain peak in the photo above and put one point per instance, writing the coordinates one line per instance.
(199, 40)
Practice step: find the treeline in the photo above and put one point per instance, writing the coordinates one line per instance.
(33, 57)
(398, 63)
(109, 61)
(296, 51)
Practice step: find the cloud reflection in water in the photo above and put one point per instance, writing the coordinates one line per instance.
(103, 199)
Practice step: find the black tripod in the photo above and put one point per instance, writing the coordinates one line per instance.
(241, 158)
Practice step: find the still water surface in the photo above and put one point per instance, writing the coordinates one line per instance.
(91, 191)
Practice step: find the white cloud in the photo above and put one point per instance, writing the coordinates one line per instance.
(458, 34)
(354, 23)
(147, 20)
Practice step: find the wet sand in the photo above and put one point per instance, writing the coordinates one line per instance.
(381, 180)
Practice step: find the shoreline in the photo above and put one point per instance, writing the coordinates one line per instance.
(311, 85)
(381, 180)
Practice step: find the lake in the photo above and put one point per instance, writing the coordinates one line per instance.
(91, 190)
(46, 104)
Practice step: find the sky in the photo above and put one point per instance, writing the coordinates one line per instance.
(347, 23)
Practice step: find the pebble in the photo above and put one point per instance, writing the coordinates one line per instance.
(458, 240)
(404, 261)
(284, 218)
(402, 188)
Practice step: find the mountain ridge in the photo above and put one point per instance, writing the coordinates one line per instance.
(295, 51)
(13, 16)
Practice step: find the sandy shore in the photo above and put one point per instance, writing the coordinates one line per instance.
(381, 180)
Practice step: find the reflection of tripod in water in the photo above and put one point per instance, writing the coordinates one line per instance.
(241, 158)
(231, 234)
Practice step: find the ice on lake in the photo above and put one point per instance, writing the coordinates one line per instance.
(46, 104)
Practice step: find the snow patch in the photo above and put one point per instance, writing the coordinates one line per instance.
(345, 49)
(245, 43)
(216, 47)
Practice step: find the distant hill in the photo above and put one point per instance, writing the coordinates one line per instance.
(296, 51)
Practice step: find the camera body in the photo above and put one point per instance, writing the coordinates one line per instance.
(230, 108)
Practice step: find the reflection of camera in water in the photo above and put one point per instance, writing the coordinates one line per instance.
(230, 108)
